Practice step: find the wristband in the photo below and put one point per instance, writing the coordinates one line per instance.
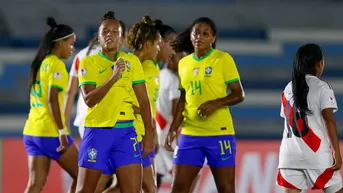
(62, 131)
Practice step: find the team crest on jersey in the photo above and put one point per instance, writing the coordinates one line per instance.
(57, 75)
(196, 71)
(208, 71)
(92, 153)
(83, 71)
(127, 64)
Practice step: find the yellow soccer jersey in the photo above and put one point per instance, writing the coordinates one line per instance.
(52, 73)
(152, 77)
(204, 79)
(117, 103)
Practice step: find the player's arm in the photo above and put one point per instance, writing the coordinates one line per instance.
(71, 90)
(177, 116)
(232, 79)
(56, 80)
(174, 96)
(328, 106)
(92, 94)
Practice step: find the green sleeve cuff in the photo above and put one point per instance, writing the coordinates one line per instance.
(138, 81)
(56, 86)
(231, 81)
(88, 82)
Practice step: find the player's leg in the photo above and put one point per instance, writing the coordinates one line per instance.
(188, 159)
(328, 180)
(103, 181)
(220, 152)
(292, 180)
(128, 161)
(95, 151)
(115, 188)
(39, 166)
(68, 161)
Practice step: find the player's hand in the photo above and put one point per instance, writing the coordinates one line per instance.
(172, 135)
(118, 68)
(337, 161)
(63, 144)
(147, 144)
(207, 108)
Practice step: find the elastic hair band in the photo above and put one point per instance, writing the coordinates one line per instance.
(62, 38)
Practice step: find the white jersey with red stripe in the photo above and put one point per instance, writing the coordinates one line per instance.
(305, 144)
(169, 91)
(81, 109)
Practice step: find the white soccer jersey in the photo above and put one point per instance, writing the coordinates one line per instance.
(169, 90)
(81, 109)
(307, 146)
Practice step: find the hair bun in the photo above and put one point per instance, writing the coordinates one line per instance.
(108, 15)
(158, 23)
(51, 22)
(147, 20)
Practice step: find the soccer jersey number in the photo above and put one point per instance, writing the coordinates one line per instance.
(297, 126)
(225, 145)
(196, 87)
(36, 92)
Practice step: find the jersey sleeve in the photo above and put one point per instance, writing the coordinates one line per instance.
(87, 74)
(327, 99)
(174, 92)
(137, 70)
(58, 75)
(230, 72)
(75, 66)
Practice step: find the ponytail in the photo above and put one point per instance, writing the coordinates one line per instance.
(91, 44)
(307, 57)
(55, 34)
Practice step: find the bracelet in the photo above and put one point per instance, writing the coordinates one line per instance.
(62, 131)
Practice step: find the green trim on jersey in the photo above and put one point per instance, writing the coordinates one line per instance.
(55, 86)
(231, 81)
(88, 82)
(107, 58)
(202, 57)
(138, 81)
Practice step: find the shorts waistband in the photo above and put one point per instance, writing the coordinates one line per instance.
(118, 125)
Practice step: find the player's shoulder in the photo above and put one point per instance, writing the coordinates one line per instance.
(53, 61)
(186, 59)
(317, 84)
(220, 54)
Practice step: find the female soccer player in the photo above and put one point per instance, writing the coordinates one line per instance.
(168, 35)
(207, 128)
(45, 134)
(92, 48)
(309, 152)
(109, 132)
(144, 39)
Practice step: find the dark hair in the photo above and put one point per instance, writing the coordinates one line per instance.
(123, 27)
(110, 15)
(140, 33)
(56, 33)
(305, 62)
(183, 41)
(164, 30)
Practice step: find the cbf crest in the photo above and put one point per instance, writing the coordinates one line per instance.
(92, 153)
(208, 70)
(128, 66)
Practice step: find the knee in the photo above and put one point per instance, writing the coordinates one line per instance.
(36, 184)
(84, 189)
(226, 188)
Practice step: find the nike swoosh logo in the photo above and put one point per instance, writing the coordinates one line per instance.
(101, 71)
(136, 155)
(225, 158)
